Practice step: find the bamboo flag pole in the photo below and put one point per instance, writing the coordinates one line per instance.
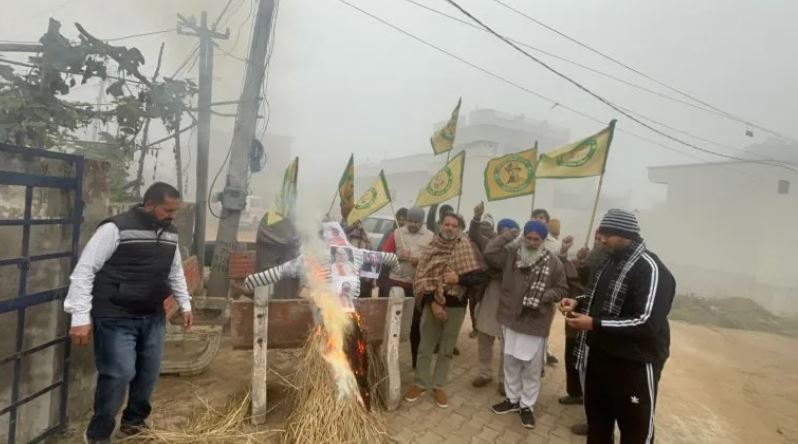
(601, 182)
(335, 197)
(535, 192)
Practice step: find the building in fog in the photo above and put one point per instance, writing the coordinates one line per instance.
(485, 134)
(729, 228)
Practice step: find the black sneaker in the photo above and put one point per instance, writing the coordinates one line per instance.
(527, 418)
(505, 407)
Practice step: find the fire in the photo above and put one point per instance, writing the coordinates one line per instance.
(336, 326)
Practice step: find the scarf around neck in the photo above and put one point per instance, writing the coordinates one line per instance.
(622, 261)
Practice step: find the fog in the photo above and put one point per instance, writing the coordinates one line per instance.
(340, 83)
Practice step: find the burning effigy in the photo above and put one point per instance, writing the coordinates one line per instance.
(333, 401)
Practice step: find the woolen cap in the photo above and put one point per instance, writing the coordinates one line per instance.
(415, 214)
(620, 223)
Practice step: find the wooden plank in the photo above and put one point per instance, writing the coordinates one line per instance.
(260, 367)
(392, 386)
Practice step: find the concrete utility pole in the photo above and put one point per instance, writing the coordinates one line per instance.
(235, 190)
(205, 68)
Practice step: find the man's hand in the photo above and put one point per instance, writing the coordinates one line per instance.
(567, 305)
(582, 254)
(479, 210)
(579, 321)
(510, 234)
(567, 243)
(81, 334)
(439, 311)
(450, 277)
(188, 320)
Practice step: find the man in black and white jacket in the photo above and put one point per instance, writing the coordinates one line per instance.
(624, 336)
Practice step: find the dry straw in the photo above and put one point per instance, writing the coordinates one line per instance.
(318, 415)
(230, 424)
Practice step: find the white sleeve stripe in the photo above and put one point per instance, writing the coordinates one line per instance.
(652, 291)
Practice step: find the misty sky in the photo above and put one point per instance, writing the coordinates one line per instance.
(341, 82)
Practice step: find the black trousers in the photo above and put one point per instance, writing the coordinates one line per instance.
(620, 390)
(573, 385)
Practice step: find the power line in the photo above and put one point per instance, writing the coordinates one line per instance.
(525, 89)
(602, 54)
(221, 14)
(604, 100)
(610, 76)
(145, 34)
(574, 63)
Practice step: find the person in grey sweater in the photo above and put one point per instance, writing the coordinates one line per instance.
(532, 283)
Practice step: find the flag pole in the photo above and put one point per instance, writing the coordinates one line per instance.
(601, 182)
(535, 193)
(335, 197)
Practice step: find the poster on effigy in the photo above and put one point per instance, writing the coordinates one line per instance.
(346, 289)
(372, 263)
(342, 260)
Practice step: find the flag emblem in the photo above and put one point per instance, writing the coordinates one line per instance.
(579, 156)
(514, 174)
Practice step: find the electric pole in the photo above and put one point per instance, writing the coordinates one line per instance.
(235, 190)
(206, 37)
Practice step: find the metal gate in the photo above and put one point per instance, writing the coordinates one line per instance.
(24, 174)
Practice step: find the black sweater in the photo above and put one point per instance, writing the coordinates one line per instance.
(641, 331)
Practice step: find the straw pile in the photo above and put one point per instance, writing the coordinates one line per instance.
(317, 413)
(230, 424)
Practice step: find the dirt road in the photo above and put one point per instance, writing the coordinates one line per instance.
(720, 386)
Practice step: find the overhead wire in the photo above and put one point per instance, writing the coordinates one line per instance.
(607, 102)
(525, 89)
(638, 72)
(144, 34)
(610, 76)
(574, 63)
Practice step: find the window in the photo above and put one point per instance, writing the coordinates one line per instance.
(784, 187)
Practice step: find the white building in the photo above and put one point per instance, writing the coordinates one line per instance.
(729, 229)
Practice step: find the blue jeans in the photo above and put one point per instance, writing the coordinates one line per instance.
(127, 353)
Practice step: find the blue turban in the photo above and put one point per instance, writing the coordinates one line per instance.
(506, 224)
(536, 226)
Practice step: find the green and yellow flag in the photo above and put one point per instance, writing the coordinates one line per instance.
(584, 158)
(445, 184)
(346, 187)
(284, 202)
(512, 175)
(443, 139)
(376, 197)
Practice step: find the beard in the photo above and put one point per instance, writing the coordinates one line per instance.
(447, 235)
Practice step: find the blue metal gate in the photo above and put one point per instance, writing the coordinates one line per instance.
(23, 260)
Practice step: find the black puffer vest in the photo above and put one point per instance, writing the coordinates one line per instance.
(134, 282)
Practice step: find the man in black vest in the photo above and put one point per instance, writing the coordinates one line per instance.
(127, 269)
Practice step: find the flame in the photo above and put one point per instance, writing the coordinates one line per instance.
(337, 324)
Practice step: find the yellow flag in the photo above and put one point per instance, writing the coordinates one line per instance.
(284, 203)
(346, 187)
(584, 158)
(512, 175)
(445, 184)
(376, 197)
(443, 139)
